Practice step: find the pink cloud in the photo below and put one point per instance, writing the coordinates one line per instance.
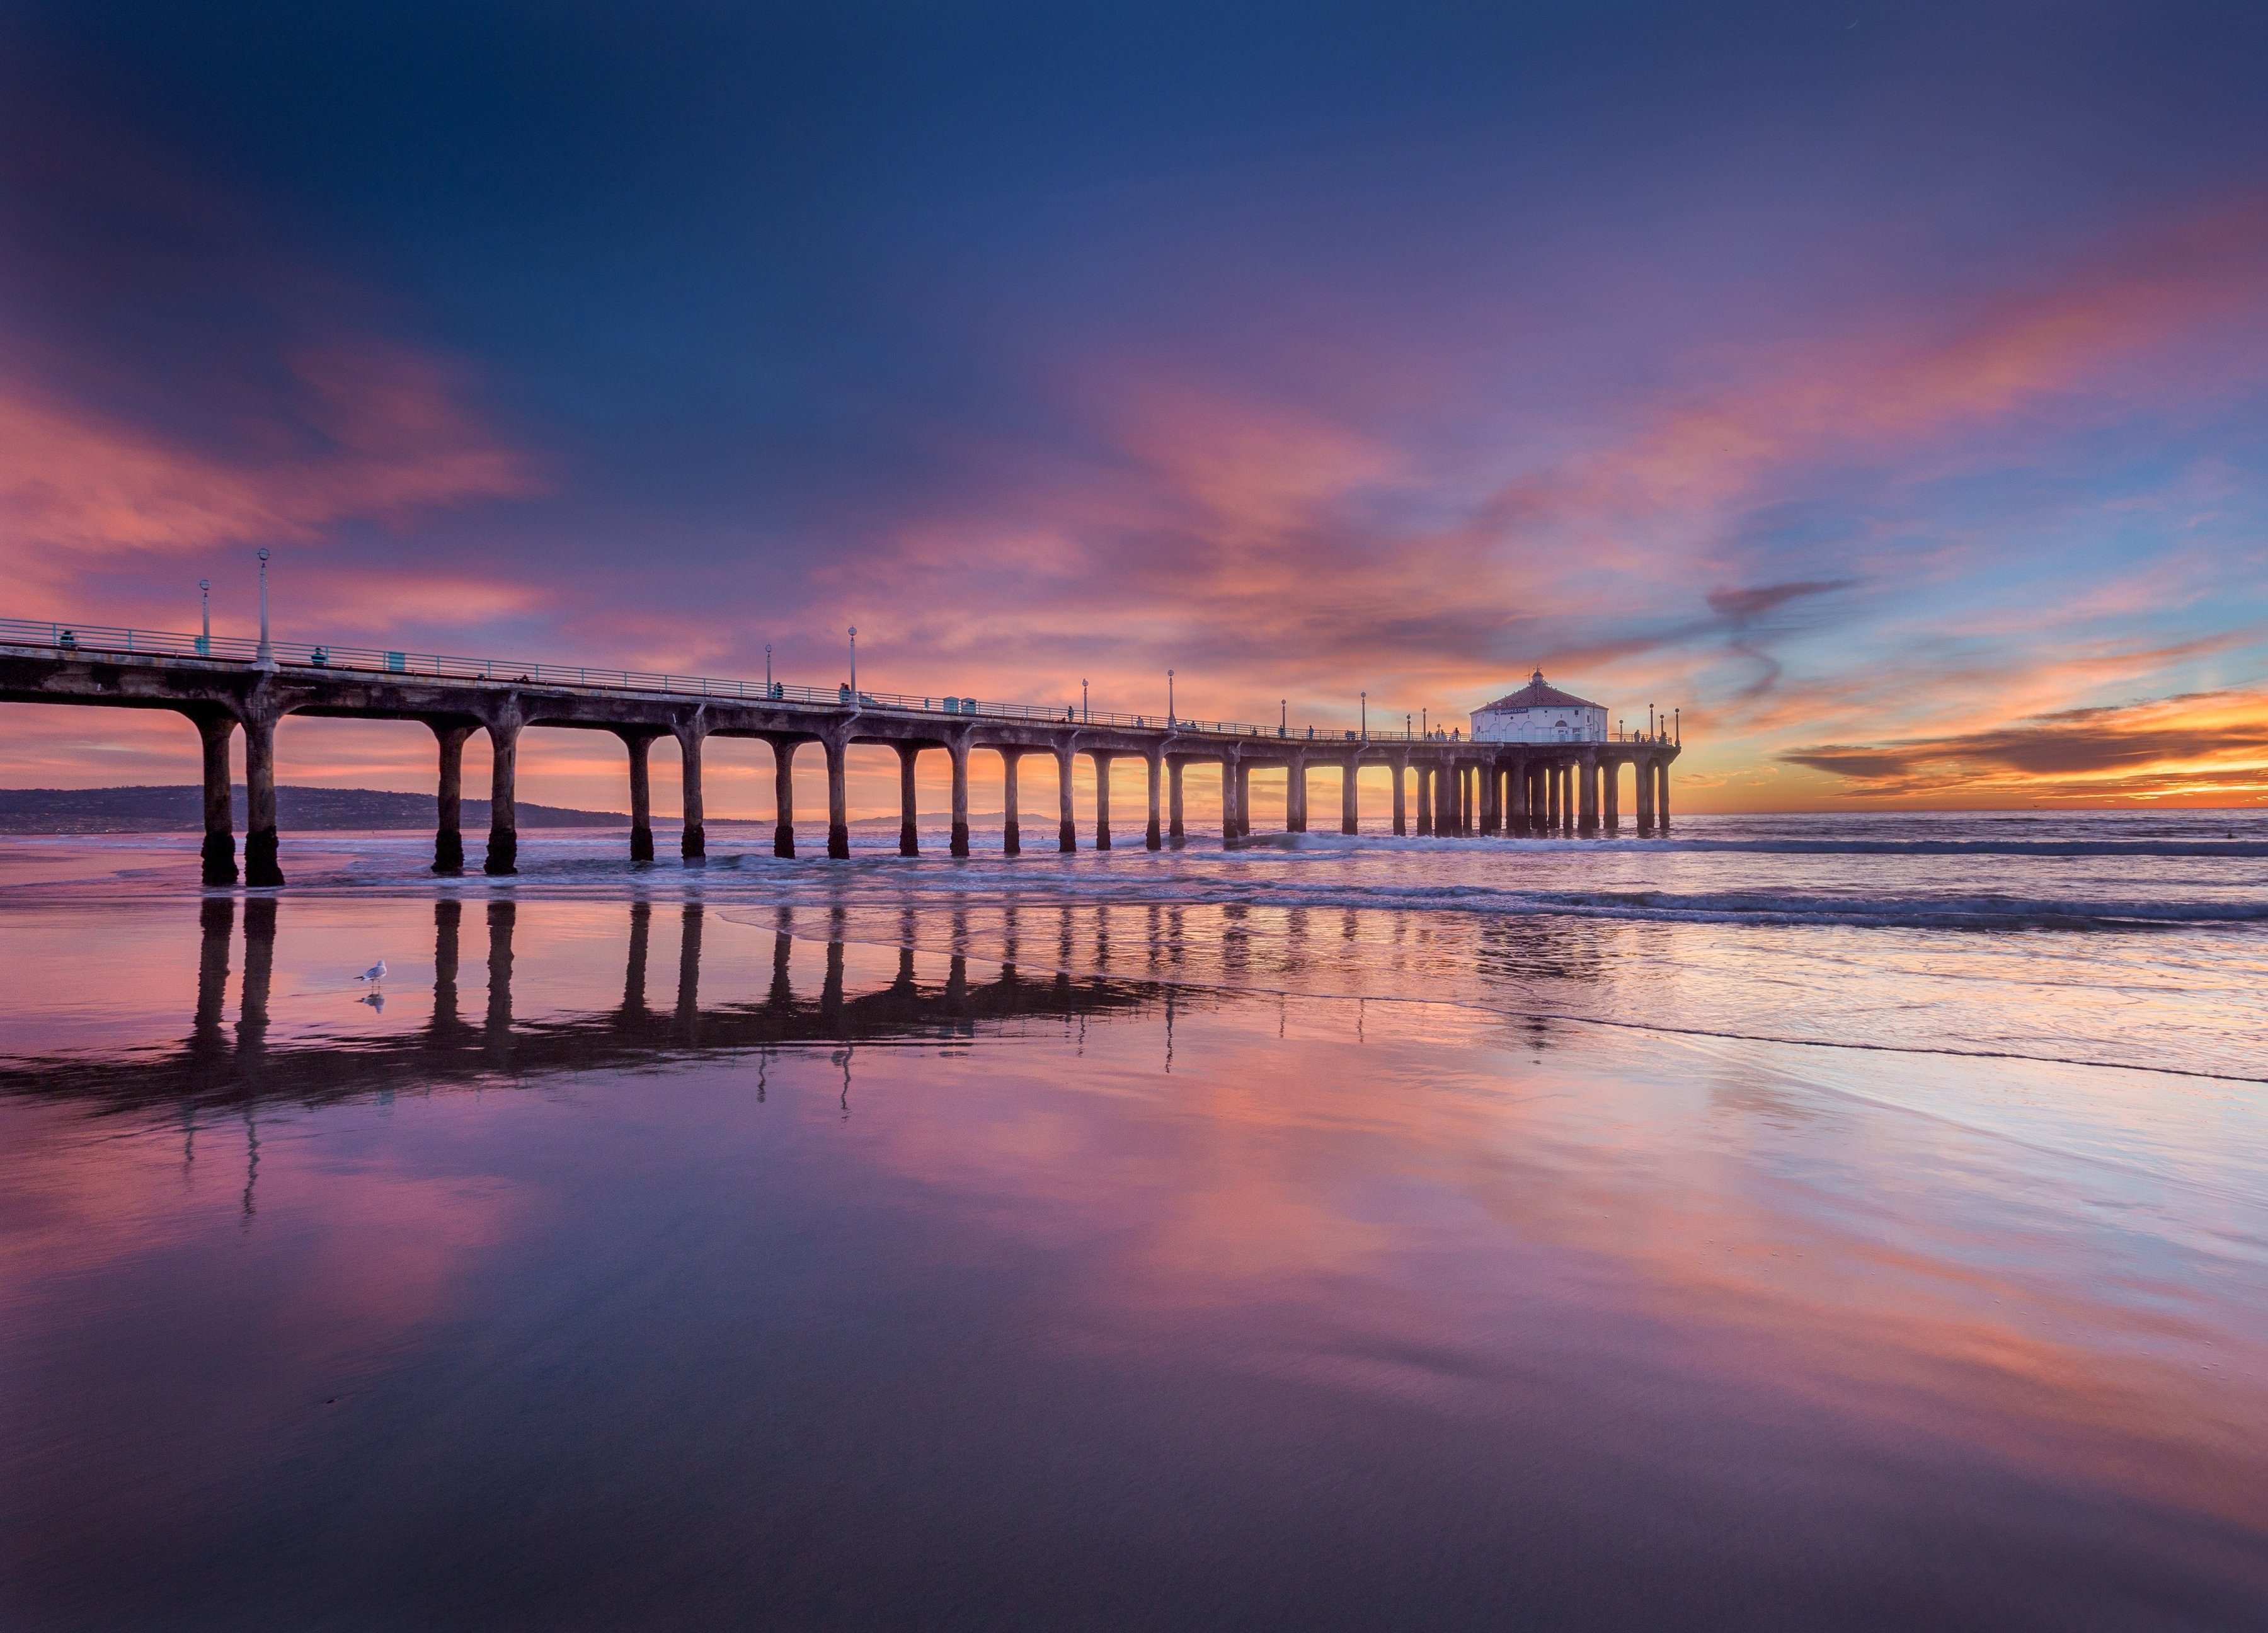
(377, 431)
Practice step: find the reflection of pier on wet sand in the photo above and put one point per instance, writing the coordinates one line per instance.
(216, 1065)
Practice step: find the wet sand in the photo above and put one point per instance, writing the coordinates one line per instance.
(638, 1263)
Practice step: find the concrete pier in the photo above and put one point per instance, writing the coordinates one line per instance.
(695, 844)
(262, 862)
(837, 746)
(1067, 813)
(1012, 840)
(1462, 786)
(909, 834)
(640, 744)
(504, 800)
(784, 797)
(218, 857)
(957, 844)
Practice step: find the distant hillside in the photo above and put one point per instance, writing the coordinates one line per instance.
(173, 808)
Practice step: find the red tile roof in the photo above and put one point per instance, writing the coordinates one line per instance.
(1536, 695)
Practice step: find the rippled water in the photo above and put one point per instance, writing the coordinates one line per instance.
(1801, 1221)
(2138, 939)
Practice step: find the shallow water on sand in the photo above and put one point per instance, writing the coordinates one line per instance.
(898, 1245)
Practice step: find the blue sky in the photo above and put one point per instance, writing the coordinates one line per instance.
(1882, 386)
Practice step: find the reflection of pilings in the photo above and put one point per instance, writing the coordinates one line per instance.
(497, 1031)
(634, 967)
(830, 990)
(782, 947)
(907, 934)
(258, 971)
(216, 924)
(689, 974)
(313, 1069)
(448, 916)
(1235, 937)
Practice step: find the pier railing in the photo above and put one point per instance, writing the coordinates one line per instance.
(107, 639)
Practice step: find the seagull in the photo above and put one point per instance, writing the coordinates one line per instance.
(376, 972)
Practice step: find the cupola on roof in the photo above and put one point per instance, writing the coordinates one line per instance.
(1537, 694)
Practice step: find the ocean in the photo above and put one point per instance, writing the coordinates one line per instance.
(1841, 1220)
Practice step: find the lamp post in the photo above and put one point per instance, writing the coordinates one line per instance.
(205, 595)
(854, 666)
(1169, 697)
(1677, 726)
(1405, 726)
(1366, 717)
(1086, 714)
(1425, 726)
(768, 669)
(266, 656)
(1283, 716)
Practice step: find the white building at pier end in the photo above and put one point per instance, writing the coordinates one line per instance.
(1538, 713)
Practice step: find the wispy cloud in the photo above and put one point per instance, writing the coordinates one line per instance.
(2212, 746)
(371, 432)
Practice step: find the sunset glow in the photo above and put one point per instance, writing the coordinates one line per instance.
(1883, 390)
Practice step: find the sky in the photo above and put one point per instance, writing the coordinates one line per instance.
(1883, 387)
